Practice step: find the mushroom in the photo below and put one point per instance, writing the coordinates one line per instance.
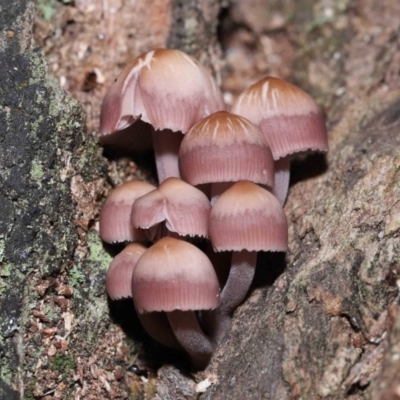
(245, 219)
(290, 120)
(115, 225)
(184, 209)
(167, 89)
(118, 286)
(224, 148)
(176, 277)
(119, 273)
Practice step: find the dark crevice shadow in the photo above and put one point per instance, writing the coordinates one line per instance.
(134, 142)
(113, 249)
(145, 160)
(270, 265)
(306, 167)
(152, 355)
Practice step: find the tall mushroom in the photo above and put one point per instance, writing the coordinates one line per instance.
(245, 219)
(167, 89)
(176, 277)
(290, 120)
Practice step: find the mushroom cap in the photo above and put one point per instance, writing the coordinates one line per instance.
(117, 109)
(289, 118)
(225, 147)
(184, 208)
(248, 217)
(119, 273)
(115, 225)
(164, 87)
(174, 275)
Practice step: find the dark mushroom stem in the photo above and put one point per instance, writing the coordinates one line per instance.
(166, 148)
(240, 277)
(239, 280)
(187, 330)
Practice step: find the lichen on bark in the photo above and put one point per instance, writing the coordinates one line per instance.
(41, 142)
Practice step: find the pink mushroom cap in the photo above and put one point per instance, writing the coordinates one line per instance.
(119, 273)
(289, 118)
(248, 217)
(115, 224)
(174, 275)
(224, 147)
(184, 208)
(165, 88)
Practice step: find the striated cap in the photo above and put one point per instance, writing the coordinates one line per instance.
(166, 88)
(117, 110)
(174, 275)
(288, 117)
(119, 273)
(248, 217)
(184, 208)
(225, 147)
(115, 225)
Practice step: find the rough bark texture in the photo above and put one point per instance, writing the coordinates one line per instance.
(42, 146)
(323, 323)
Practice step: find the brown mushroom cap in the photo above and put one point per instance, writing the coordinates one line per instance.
(248, 217)
(164, 87)
(174, 275)
(288, 117)
(115, 225)
(184, 208)
(119, 273)
(224, 147)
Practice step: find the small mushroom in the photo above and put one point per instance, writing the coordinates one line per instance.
(176, 277)
(184, 209)
(290, 120)
(245, 219)
(118, 286)
(119, 273)
(115, 224)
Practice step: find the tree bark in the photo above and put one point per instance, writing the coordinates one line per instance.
(323, 322)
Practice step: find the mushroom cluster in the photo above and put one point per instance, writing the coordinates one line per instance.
(223, 178)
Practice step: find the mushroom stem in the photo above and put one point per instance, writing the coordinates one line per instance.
(187, 330)
(282, 178)
(157, 326)
(217, 188)
(239, 280)
(166, 148)
(240, 277)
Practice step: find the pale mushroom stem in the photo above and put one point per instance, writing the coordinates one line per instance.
(157, 326)
(166, 148)
(240, 277)
(282, 178)
(187, 330)
(217, 189)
